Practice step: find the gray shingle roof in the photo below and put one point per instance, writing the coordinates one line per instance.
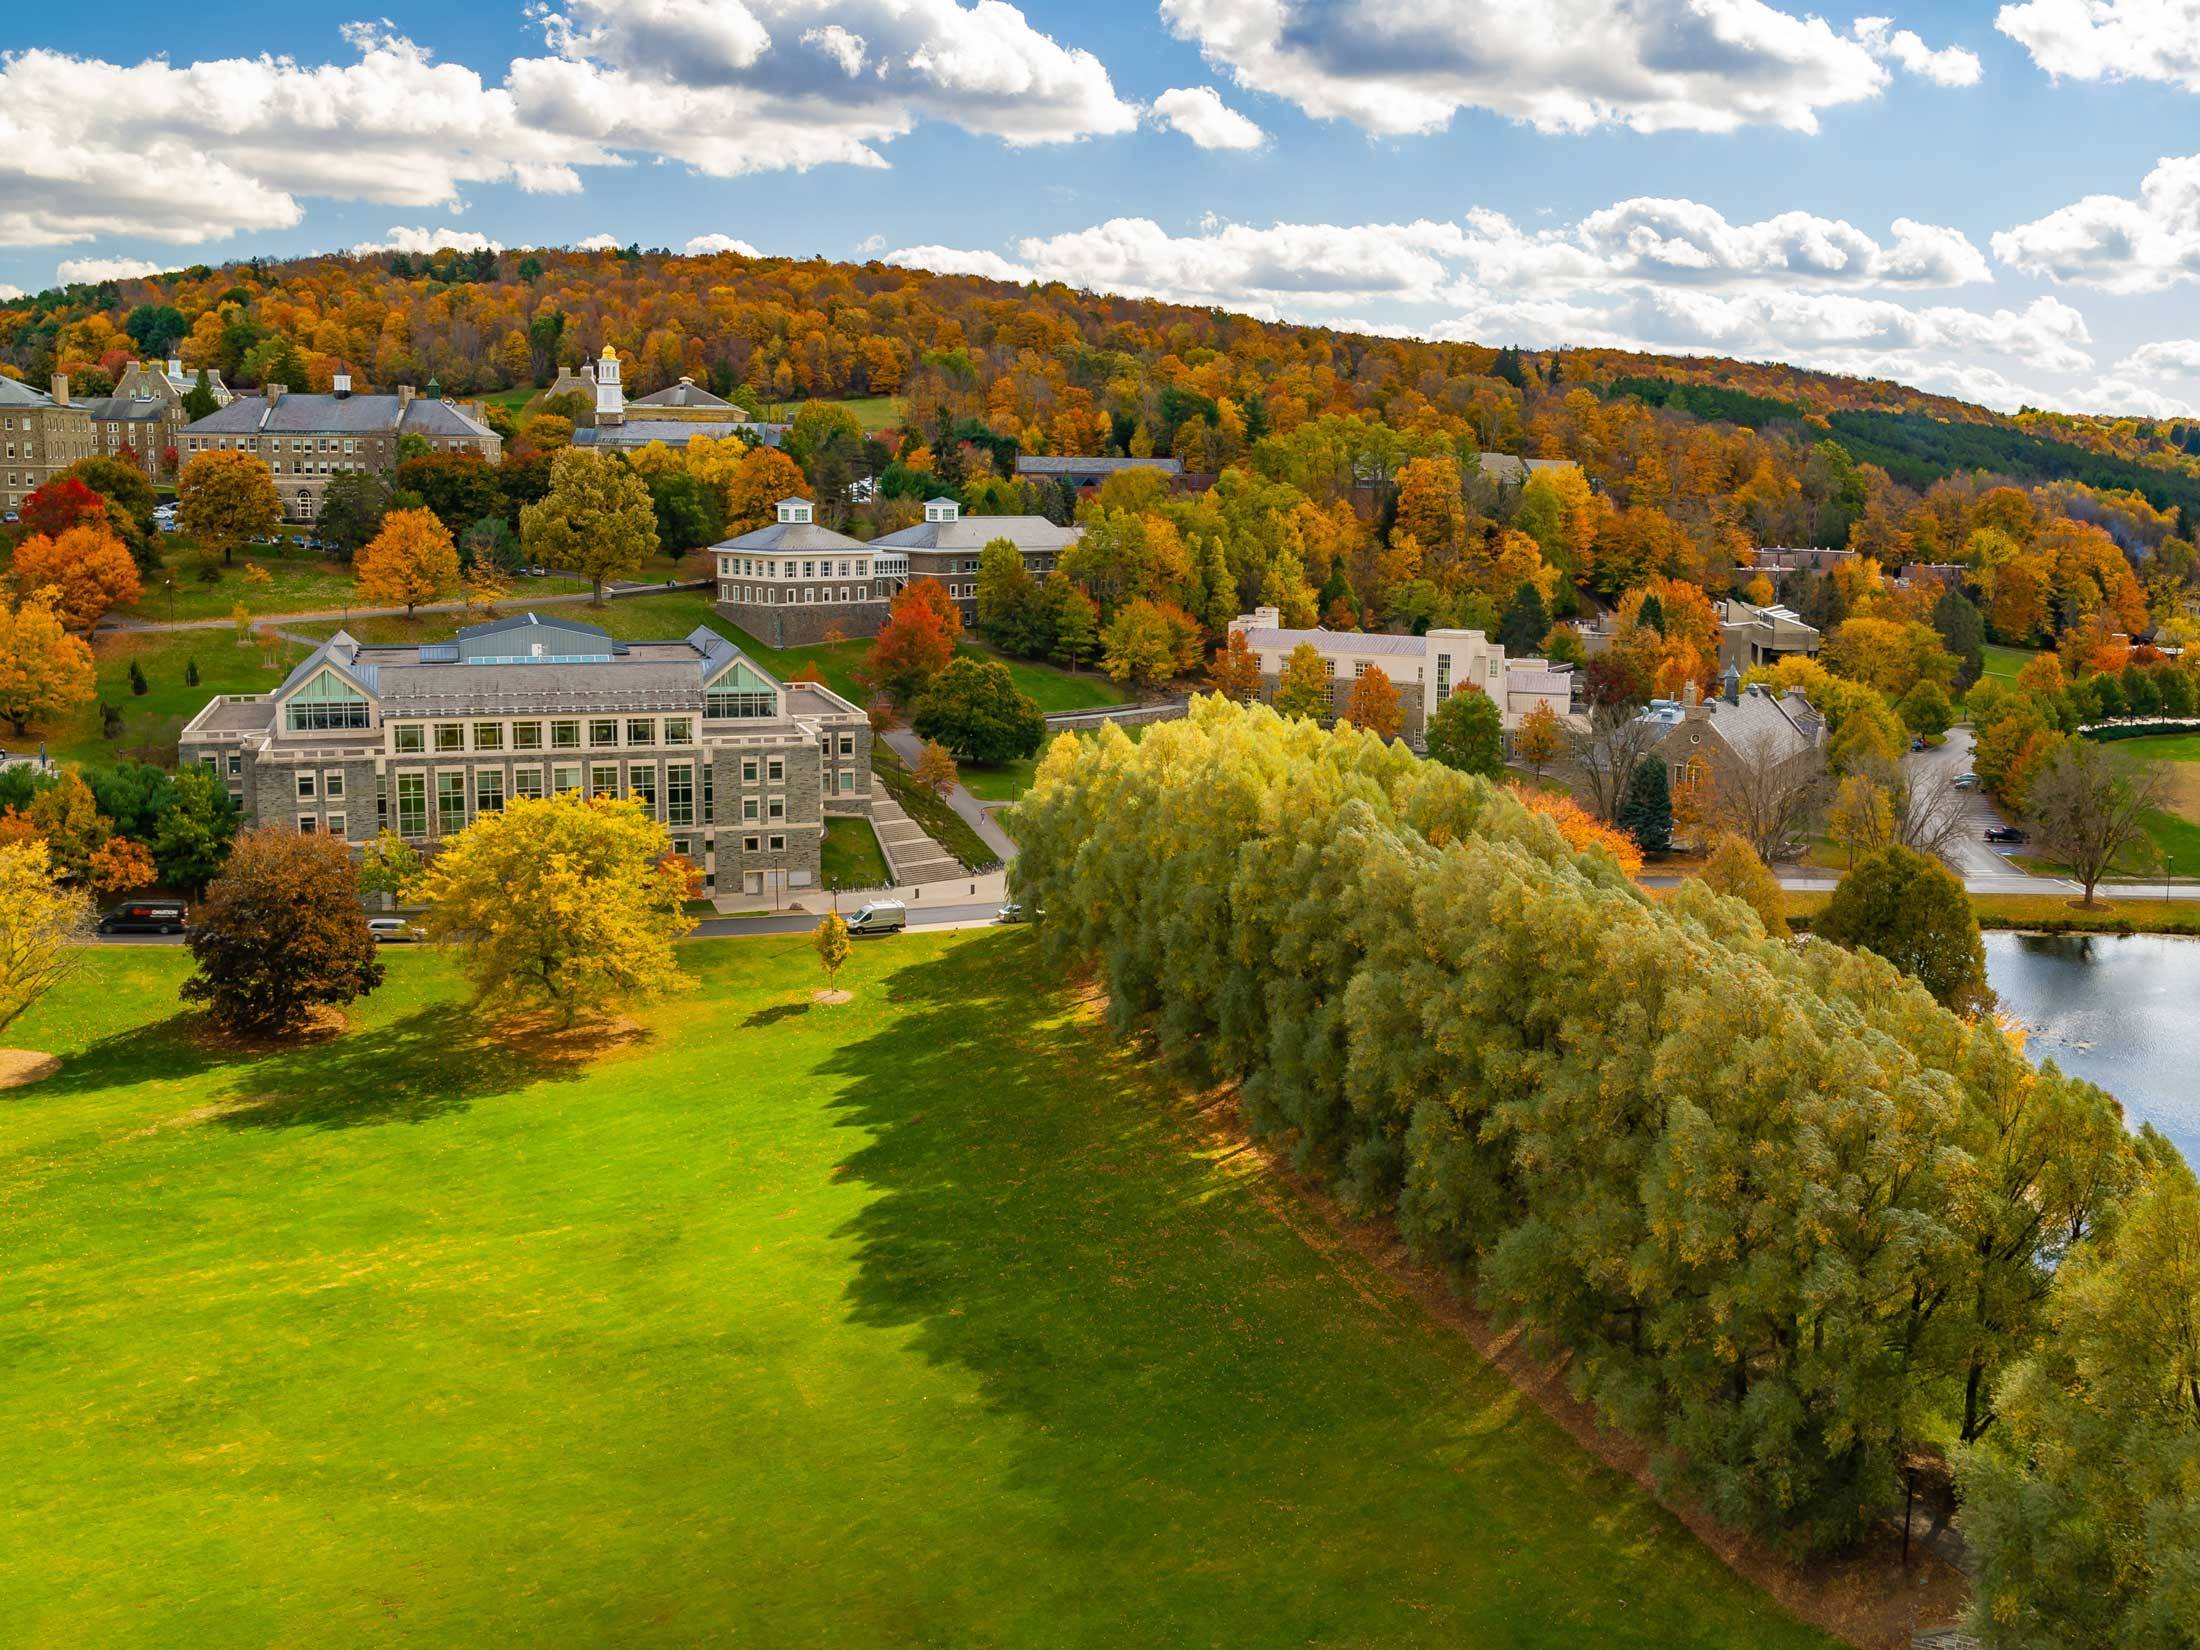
(1030, 533)
(1338, 642)
(1507, 467)
(337, 415)
(674, 432)
(15, 393)
(1045, 464)
(782, 537)
(126, 408)
(686, 393)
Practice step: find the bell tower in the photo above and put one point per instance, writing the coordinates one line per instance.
(610, 398)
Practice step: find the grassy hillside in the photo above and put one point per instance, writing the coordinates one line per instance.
(416, 1337)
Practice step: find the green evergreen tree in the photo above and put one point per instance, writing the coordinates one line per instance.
(1526, 622)
(1962, 632)
(137, 678)
(1646, 813)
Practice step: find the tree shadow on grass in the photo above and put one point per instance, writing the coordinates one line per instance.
(427, 1065)
(162, 1050)
(777, 1012)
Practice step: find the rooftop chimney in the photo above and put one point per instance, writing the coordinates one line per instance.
(273, 392)
(1733, 686)
(175, 366)
(60, 391)
(341, 384)
(404, 396)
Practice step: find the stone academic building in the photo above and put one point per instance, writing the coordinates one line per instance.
(794, 582)
(422, 738)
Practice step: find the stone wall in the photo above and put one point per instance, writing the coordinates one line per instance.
(804, 624)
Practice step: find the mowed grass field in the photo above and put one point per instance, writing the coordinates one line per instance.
(2175, 829)
(932, 1319)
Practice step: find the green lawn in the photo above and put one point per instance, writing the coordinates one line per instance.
(852, 857)
(873, 412)
(1007, 781)
(2003, 663)
(300, 581)
(416, 1339)
(155, 719)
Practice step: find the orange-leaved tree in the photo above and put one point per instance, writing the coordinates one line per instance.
(915, 643)
(1373, 703)
(761, 478)
(1581, 828)
(1235, 669)
(1540, 737)
(44, 671)
(88, 570)
(410, 561)
(225, 497)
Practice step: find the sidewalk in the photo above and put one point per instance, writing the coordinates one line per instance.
(990, 888)
(975, 814)
(518, 603)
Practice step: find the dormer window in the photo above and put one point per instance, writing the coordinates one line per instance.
(942, 509)
(794, 512)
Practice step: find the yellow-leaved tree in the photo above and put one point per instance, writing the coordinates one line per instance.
(410, 561)
(225, 497)
(833, 946)
(596, 520)
(568, 904)
(44, 671)
(42, 923)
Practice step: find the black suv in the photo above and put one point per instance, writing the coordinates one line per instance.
(2004, 833)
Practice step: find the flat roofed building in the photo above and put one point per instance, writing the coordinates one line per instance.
(421, 738)
(795, 582)
(1750, 635)
(1425, 669)
(307, 439)
(41, 434)
(1085, 473)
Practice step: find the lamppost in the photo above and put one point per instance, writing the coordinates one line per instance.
(170, 586)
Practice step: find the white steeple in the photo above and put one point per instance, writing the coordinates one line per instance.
(610, 398)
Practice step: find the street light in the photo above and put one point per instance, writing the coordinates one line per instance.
(170, 586)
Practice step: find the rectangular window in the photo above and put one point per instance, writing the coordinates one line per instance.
(710, 804)
(332, 784)
(847, 744)
(450, 736)
(641, 784)
(748, 770)
(775, 770)
(603, 732)
(450, 803)
(412, 804)
(749, 814)
(603, 779)
(489, 790)
(730, 706)
(1443, 676)
(679, 729)
(565, 777)
(236, 765)
(752, 844)
(336, 825)
(777, 844)
(777, 808)
(640, 732)
(527, 736)
(565, 736)
(305, 787)
(488, 736)
(680, 794)
(527, 782)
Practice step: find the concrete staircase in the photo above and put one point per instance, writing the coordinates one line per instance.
(910, 855)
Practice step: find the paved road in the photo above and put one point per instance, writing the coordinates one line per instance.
(726, 928)
(1971, 856)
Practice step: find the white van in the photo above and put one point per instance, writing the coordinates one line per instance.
(881, 916)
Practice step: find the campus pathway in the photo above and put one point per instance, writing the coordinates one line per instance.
(974, 813)
(116, 626)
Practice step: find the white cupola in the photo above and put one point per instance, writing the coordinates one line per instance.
(942, 509)
(610, 398)
(794, 512)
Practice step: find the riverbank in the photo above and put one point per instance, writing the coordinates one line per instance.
(2045, 913)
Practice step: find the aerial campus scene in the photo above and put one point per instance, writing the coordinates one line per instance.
(1208, 823)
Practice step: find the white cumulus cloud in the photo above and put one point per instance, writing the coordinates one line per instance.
(2116, 242)
(401, 239)
(191, 152)
(1200, 114)
(2110, 39)
(949, 260)
(1394, 67)
(597, 243)
(1949, 66)
(699, 244)
(105, 269)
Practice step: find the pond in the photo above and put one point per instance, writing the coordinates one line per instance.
(2120, 1011)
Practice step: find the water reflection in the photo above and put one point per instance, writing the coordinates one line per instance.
(2120, 1011)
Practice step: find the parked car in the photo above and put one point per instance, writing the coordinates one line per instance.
(1012, 912)
(536, 572)
(881, 916)
(167, 524)
(1966, 781)
(393, 931)
(2004, 833)
(146, 916)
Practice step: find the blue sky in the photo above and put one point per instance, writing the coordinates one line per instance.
(2002, 203)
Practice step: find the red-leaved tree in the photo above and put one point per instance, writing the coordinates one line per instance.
(915, 643)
